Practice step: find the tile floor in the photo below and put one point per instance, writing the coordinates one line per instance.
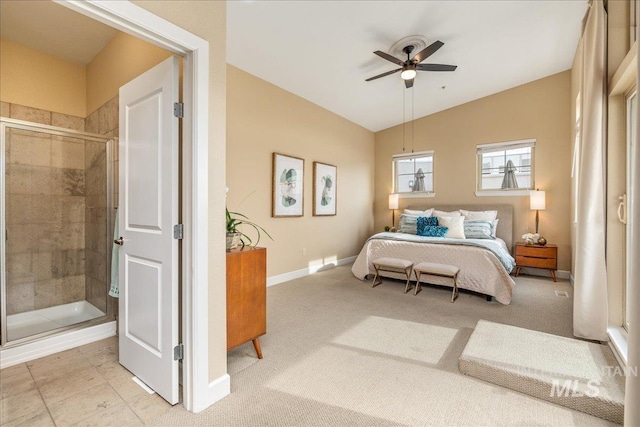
(84, 386)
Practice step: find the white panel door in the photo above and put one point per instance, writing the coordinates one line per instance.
(147, 212)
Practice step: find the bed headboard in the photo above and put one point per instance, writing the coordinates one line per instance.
(505, 215)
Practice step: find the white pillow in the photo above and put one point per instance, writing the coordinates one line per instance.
(455, 225)
(443, 213)
(480, 215)
(419, 213)
(495, 227)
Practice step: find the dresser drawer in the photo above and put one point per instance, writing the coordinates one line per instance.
(537, 251)
(526, 261)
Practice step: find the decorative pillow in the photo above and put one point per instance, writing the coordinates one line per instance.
(495, 228)
(426, 212)
(478, 229)
(429, 221)
(434, 231)
(444, 213)
(455, 225)
(408, 224)
(478, 215)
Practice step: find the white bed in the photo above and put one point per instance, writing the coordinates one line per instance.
(481, 270)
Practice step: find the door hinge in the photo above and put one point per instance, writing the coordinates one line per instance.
(178, 109)
(178, 352)
(178, 231)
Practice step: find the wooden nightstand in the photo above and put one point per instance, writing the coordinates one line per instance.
(537, 257)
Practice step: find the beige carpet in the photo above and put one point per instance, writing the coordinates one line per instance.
(338, 352)
(577, 374)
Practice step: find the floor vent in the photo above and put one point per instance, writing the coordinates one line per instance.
(562, 294)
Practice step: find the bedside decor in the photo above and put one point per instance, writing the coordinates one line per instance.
(537, 203)
(287, 185)
(393, 205)
(324, 189)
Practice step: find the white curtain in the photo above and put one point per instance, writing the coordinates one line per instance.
(632, 388)
(590, 313)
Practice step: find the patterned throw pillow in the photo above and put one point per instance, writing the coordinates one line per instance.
(428, 221)
(478, 229)
(408, 224)
(434, 231)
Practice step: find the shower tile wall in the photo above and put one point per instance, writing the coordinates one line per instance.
(103, 121)
(45, 196)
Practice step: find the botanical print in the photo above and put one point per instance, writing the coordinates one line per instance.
(288, 185)
(324, 189)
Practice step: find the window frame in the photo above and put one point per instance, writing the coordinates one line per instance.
(504, 146)
(413, 155)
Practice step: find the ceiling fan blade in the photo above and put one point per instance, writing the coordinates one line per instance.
(388, 57)
(383, 75)
(427, 51)
(436, 67)
(408, 83)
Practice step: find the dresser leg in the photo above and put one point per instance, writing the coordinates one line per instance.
(256, 345)
(553, 274)
(517, 271)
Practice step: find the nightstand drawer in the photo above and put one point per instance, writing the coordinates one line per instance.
(537, 251)
(525, 261)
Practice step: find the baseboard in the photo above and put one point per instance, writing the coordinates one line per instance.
(54, 344)
(560, 274)
(285, 277)
(218, 389)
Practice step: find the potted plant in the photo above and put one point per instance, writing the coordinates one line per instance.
(235, 236)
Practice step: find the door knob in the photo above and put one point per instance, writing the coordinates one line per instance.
(119, 241)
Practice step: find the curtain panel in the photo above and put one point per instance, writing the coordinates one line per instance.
(590, 310)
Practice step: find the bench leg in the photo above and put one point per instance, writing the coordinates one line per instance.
(407, 287)
(418, 286)
(454, 295)
(375, 278)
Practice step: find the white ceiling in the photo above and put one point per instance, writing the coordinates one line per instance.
(323, 50)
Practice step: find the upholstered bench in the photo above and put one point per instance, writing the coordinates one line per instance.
(392, 265)
(439, 270)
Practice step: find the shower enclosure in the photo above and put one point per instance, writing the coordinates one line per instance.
(56, 218)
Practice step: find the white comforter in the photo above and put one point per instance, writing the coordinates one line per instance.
(480, 269)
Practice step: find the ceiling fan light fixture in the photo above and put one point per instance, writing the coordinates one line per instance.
(408, 73)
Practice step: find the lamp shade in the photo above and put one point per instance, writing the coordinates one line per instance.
(393, 201)
(537, 200)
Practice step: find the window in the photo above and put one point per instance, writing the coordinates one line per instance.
(413, 173)
(505, 166)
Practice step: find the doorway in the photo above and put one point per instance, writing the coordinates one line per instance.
(198, 392)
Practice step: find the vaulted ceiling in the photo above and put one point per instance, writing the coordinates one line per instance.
(323, 50)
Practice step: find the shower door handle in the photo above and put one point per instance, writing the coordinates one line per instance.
(119, 241)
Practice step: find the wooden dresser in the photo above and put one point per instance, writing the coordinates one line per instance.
(536, 256)
(246, 296)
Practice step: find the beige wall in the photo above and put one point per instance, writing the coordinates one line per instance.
(35, 79)
(262, 119)
(540, 110)
(207, 19)
(120, 61)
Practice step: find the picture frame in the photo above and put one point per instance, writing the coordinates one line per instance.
(325, 189)
(287, 184)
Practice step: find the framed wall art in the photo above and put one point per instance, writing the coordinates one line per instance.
(287, 186)
(324, 189)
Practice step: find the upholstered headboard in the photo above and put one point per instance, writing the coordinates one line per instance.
(505, 215)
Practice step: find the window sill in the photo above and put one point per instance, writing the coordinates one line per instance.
(619, 343)
(415, 195)
(501, 193)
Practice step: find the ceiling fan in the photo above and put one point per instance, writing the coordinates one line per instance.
(412, 65)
